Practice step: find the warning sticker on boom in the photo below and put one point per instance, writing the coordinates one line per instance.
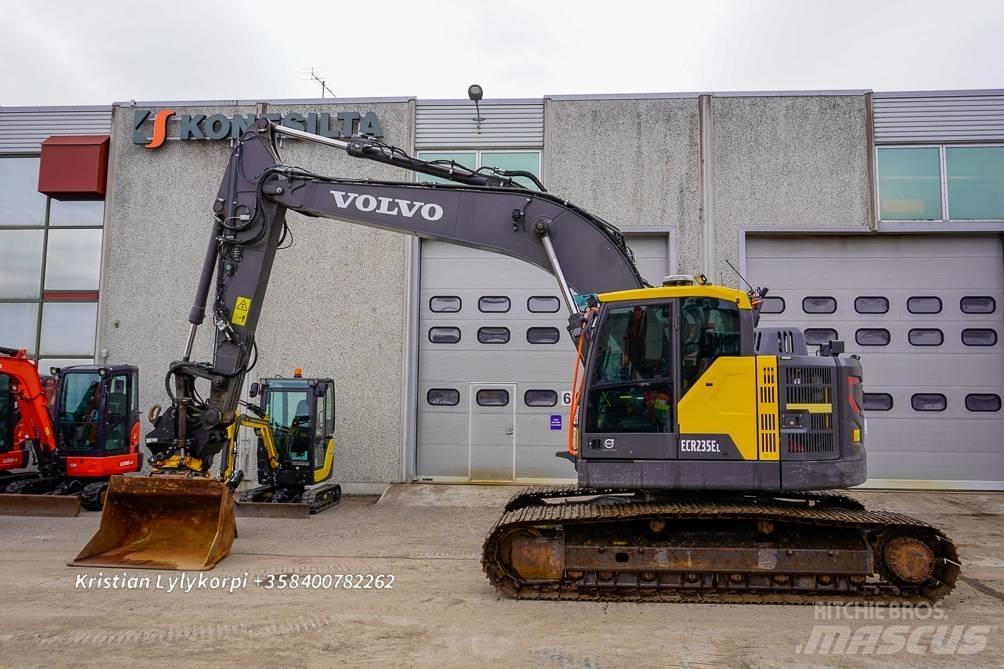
(241, 310)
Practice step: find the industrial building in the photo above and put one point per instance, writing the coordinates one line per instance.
(874, 218)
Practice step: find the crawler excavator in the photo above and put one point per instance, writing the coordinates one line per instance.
(87, 433)
(707, 451)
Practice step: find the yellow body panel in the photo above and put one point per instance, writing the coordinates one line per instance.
(666, 292)
(767, 415)
(811, 408)
(723, 401)
(324, 472)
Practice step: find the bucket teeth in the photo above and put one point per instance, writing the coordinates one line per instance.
(162, 522)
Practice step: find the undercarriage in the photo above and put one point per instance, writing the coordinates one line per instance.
(613, 544)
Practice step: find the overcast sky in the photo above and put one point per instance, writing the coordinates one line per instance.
(58, 52)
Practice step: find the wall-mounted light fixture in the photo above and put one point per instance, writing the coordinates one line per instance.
(475, 93)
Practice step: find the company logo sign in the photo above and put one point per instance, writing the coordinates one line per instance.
(390, 206)
(217, 127)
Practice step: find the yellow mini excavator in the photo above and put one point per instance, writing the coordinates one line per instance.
(706, 449)
(294, 424)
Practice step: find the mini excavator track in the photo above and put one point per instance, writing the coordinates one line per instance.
(797, 548)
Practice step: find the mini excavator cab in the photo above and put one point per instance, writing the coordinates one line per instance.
(301, 416)
(96, 411)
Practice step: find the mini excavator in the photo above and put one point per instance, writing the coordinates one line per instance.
(294, 424)
(79, 427)
(707, 451)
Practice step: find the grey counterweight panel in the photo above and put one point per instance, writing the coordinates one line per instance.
(956, 445)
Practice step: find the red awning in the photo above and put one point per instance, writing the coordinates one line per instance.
(74, 167)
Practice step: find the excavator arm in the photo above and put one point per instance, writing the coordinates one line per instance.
(483, 209)
(29, 397)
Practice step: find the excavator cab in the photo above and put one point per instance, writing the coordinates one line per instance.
(10, 457)
(96, 411)
(301, 416)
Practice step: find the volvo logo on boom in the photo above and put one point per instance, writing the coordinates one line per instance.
(391, 206)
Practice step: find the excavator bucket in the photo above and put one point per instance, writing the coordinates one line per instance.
(59, 506)
(162, 522)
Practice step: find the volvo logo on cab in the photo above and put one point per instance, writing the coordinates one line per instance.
(391, 206)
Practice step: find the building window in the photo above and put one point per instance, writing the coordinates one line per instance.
(928, 402)
(924, 305)
(977, 305)
(493, 397)
(443, 397)
(909, 184)
(926, 337)
(488, 335)
(979, 337)
(442, 335)
(983, 402)
(772, 305)
(493, 304)
(871, 305)
(525, 161)
(540, 398)
(877, 402)
(445, 304)
(819, 336)
(872, 337)
(819, 305)
(975, 176)
(50, 268)
(937, 183)
(543, 335)
(543, 304)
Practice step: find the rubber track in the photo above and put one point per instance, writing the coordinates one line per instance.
(830, 510)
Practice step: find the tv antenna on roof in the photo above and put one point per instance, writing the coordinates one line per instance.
(314, 74)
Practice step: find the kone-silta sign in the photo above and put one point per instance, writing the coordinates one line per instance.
(220, 126)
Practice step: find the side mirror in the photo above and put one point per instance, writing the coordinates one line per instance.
(254, 390)
(319, 390)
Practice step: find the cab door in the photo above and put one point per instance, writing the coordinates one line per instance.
(324, 429)
(631, 395)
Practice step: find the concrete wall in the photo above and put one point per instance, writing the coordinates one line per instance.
(787, 162)
(336, 304)
(632, 161)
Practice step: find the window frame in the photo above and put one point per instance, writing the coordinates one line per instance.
(820, 297)
(543, 343)
(888, 336)
(540, 390)
(977, 313)
(969, 395)
(892, 402)
(508, 302)
(784, 305)
(909, 336)
(477, 397)
(556, 309)
(962, 337)
(58, 296)
(460, 334)
(460, 302)
(943, 162)
(805, 333)
(428, 394)
(913, 406)
(871, 297)
(508, 335)
(941, 305)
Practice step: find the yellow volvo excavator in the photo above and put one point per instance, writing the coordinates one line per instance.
(706, 449)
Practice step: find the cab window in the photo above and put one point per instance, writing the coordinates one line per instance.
(117, 403)
(709, 329)
(631, 389)
(289, 418)
(79, 411)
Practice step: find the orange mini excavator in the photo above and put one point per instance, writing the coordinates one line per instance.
(78, 427)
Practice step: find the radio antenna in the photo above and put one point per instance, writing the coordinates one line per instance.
(737, 272)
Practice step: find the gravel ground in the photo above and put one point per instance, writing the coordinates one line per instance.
(441, 612)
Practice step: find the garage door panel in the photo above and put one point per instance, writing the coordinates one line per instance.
(955, 443)
(932, 467)
(957, 437)
(451, 271)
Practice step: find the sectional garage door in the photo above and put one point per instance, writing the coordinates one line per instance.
(926, 315)
(495, 364)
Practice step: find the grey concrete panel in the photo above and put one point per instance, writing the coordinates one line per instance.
(335, 306)
(787, 162)
(633, 162)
